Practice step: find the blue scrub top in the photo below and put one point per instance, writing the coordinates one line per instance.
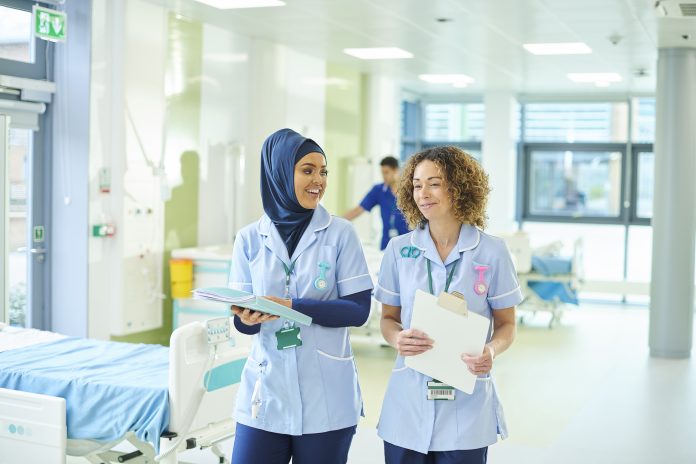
(312, 388)
(392, 219)
(409, 419)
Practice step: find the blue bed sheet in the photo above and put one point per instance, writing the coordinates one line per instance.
(548, 265)
(110, 388)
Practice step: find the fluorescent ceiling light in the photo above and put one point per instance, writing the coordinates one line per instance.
(231, 4)
(565, 48)
(379, 53)
(594, 77)
(458, 80)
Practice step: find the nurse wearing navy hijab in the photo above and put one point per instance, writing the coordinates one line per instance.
(443, 194)
(299, 396)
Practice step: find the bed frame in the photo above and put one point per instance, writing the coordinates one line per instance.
(43, 421)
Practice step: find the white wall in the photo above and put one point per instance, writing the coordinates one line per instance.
(224, 134)
(382, 138)
(249, 89)
(126, 137)
(500, 159)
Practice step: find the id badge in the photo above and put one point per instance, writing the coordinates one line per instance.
(288, 338)
(393, 233)
(440, 391)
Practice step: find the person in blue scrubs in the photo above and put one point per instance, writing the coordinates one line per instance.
(299, 396)
(443, 194)
(393, 222)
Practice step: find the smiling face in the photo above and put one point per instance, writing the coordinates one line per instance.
(430, 191)
(310, 179)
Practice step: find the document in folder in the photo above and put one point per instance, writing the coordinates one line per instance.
(250, 301)
(453, 334)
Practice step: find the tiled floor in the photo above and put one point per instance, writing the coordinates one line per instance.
(583, 392)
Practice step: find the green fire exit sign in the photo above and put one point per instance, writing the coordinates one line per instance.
(50, 24)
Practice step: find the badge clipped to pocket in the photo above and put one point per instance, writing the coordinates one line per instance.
(288, 338)
(440, 391)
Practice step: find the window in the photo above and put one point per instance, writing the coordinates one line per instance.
(454, 122)
(644, 184)
(578, 168)
(428, 125)
(15, 35)
(574, 183)
(643, 120)
(576, 122)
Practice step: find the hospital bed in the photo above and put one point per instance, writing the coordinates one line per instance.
(66, 395)
(549, 281)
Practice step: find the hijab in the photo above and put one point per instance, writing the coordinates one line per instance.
(279, 154)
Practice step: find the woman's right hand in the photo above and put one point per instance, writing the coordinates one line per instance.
(411, 342)
(249, 317)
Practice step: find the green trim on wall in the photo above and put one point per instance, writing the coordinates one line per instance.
(184, 65)
(344, 131)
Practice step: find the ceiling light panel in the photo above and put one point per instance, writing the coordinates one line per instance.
(233, 4)
(378, 53)
(454, 79)
(594, 77)
(561, 48)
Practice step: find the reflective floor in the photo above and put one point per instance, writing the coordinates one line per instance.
(585, 391)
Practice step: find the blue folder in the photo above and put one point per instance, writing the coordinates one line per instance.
(249, 300)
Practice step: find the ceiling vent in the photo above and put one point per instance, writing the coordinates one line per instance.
(688, 9)
(675, 9)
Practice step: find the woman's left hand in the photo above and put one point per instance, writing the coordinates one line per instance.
(480, 365)
(282, 301)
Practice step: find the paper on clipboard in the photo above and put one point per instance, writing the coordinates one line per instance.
(454, 334)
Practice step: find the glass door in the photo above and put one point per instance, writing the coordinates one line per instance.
(18, 154)
(24, 234)
(23, 170)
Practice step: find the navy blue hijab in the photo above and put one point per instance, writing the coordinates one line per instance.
(279, 154)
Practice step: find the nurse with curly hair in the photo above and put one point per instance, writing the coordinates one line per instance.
(443, 194)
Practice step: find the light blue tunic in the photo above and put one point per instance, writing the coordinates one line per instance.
(312, 388)
(473, 421)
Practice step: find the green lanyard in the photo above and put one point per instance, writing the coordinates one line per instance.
(288, 271)
(449, 277)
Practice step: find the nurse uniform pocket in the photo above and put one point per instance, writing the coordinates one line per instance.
(340, 388)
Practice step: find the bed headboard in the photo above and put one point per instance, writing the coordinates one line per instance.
(32, 428)
(188, 356)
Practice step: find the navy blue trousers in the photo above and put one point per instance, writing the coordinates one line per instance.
(255, 446)
(396, 455)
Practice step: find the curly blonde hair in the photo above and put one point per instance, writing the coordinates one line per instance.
(466, 181)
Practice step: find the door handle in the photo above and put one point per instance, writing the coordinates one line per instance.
(38, 251)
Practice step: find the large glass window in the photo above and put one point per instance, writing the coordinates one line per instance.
(643, 120)
(454, 122)
(427, 125)
(574, 183)
(15, 35)
(576, 122)
(645, 184)
(583, 177)
(20, 146)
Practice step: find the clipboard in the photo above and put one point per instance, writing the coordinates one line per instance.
(250, 301)
(453, 334)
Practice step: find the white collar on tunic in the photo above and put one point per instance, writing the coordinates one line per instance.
(320, 220)
(469, 238)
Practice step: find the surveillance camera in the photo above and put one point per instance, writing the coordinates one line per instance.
(685, 36)
(615, 39)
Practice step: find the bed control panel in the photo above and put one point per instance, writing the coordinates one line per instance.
(218, 330)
